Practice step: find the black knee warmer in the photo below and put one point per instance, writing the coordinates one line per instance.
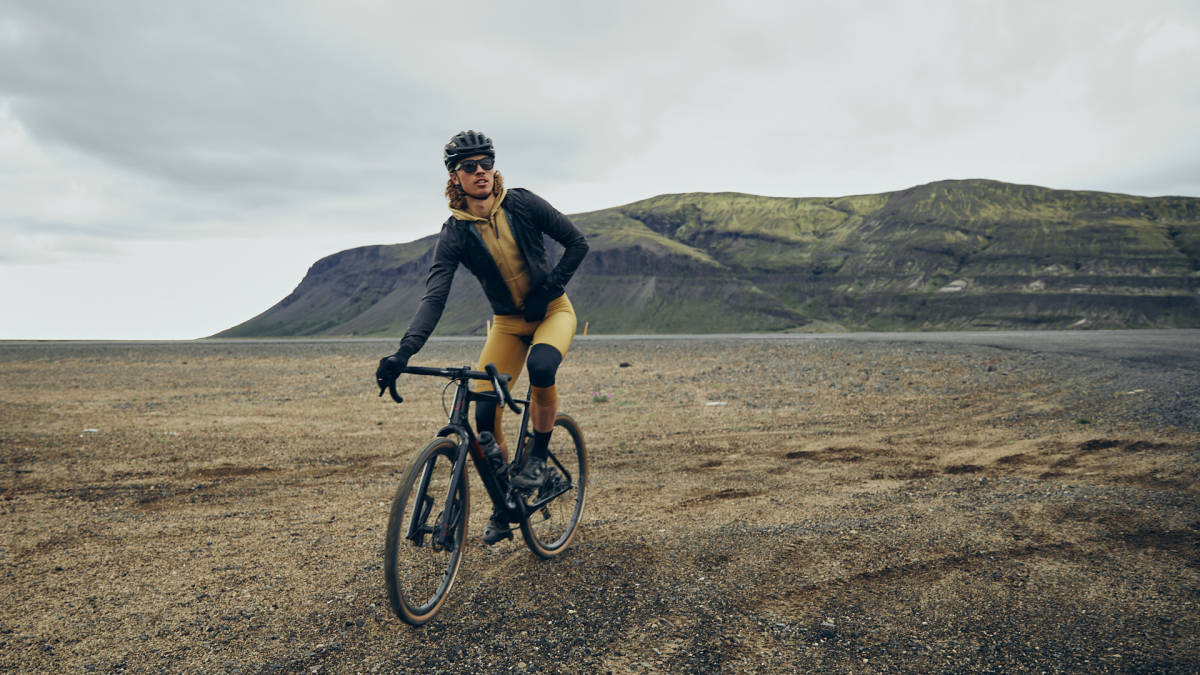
(543, 364)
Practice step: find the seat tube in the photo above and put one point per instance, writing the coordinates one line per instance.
(519, 453)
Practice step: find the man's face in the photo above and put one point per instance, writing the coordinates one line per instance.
(477, 183)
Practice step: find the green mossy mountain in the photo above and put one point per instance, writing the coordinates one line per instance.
(958, 254)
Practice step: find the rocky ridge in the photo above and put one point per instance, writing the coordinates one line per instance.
(946, 255)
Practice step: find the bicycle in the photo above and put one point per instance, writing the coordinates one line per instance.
(423, 550)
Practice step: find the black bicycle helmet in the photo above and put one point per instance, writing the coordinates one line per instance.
(466, 144)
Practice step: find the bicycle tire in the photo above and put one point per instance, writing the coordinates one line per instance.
(417, 575)
(549, 530)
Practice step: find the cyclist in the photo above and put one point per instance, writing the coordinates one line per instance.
(496, 233)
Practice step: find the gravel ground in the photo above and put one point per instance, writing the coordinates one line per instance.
(845, 504)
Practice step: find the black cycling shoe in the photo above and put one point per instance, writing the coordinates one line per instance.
(533, 475)
(497, 529)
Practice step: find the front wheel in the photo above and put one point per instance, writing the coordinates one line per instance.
(419, 561)
(549, 529)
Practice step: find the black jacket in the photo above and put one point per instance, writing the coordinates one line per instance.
(530, 217)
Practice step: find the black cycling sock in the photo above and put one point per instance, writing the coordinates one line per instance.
(541, 445)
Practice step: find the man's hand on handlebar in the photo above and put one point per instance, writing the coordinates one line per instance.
(389, 369)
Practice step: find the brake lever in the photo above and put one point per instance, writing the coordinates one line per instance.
(508, 399)
(500, 383)
(391, 389)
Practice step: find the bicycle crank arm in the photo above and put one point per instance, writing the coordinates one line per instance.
(549, 498)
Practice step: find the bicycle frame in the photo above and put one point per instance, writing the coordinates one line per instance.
(509, 507)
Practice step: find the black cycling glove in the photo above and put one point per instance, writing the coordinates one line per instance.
(390, 368)
(536, 302)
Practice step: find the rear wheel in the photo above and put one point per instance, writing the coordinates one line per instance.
(549, 529)
(419, 566)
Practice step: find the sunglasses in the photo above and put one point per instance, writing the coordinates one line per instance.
(471, 164)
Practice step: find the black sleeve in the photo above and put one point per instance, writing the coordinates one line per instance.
(437, 288)
(561, 229)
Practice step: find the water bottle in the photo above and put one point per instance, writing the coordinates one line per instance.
(491, 452)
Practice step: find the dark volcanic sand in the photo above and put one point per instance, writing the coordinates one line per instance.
(845, 504)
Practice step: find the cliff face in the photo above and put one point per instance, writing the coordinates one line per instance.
(947, 255)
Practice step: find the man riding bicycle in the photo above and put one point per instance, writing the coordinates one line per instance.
(496, 234)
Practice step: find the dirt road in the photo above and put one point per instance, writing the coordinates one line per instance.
(862, 504)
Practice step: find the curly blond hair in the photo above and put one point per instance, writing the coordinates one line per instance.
(458, 197)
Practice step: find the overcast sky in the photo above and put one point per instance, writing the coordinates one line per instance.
(170, 169)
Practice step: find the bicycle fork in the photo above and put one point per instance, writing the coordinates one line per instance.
(443, 533)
